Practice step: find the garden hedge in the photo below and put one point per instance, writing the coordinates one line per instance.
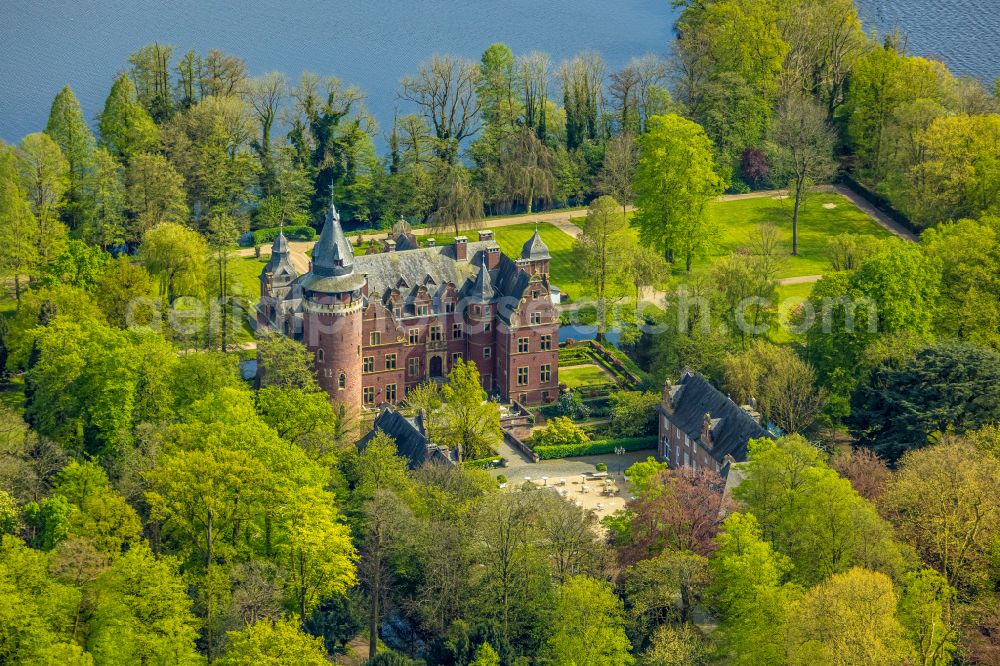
(301, 232)
(596, 448)
(484, 463)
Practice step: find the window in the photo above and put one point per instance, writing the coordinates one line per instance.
(487, 351)
(545, 373)
(522, 376)
(368, 395)
(397, 311)
(456, 331)
(476, 310)
(455, 358)
(534, 293)
(449, 307)
(422, 310)
(375, 338)
(546, 343)
(522, 345)
(368, 364)
(536, 317)
(342, 381)
(488, 327)
(414, 366)
(320, 355)
(486, 310)
(435, 334)
(390, 393)
(390, 361)
(414, 336)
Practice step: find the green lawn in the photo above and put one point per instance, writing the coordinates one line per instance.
(734, 222)
(245, 272)
(583, 375)
(565, 273)
(789, 298)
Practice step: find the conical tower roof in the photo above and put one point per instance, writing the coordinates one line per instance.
(332, 255)
(535, 249)
(280, 262)
(482, 289)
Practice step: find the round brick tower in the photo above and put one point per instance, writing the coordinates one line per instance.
(332, 301)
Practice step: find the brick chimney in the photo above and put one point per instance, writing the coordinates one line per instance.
(431, 242)
(486, 235)
(388, 245)
(461, 248)
(492, 257)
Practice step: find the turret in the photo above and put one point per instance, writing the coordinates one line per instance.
(275, 282)
(535, 255)
(333, 298)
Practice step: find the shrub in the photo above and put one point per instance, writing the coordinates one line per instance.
(484, 463)
(633, 414)
(601, 467)
(560, 431)
(302, 232)
(571, 404)
(501, 478)
(596, 448)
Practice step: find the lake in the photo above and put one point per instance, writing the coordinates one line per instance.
(47, 44)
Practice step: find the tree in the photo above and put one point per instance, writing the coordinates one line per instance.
(155, 193)
(471, 422)
(901, 406)
(805, 151)
(273, 644)
(675, 646)
(69, 130)
(781, 383)
(634, 414)
(674, 181)
(849, 618)
(150, 71)
(867, 473)
(533, 71)
(599, 250)
(18, 226)
(582, 82)
(526, 167)
(265, 95)
(941, 504)
(621, 159)
(126, 127)
(925, 611)
(125, 293)
(664, 590)
(445, 91)
(678, 511)
(498, 90)
(106, 226)
(458, 205)
(485, 656)
(590, 625)
(45, 175)
(285, 363)
(560, 431)
(808, 512)
(176, 256)
(79, 265)
(144, 613)
(749, 590)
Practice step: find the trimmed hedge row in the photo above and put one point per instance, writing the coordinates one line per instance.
(302, 232)
(484, 463)
(597, 448)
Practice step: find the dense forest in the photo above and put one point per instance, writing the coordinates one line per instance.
(157, 508)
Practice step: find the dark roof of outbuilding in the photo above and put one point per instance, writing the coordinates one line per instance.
(732, 426)
(410, 436)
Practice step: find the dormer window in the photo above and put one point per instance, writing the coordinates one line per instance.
(423, 310)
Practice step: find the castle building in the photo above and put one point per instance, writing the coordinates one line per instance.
(380, 324)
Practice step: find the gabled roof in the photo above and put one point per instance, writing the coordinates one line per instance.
(535, 249)
(427, 266)
(410, 436)
(732, 427)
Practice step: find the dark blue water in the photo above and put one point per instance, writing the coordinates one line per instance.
(372, 43)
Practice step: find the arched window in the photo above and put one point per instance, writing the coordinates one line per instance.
(320, 355)
(342, 382)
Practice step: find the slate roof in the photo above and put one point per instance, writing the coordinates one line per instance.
(410, 437)
(534, 248)
(280, 263)
(332, 255)
(408, 270)
(482, 289)
(732, 427)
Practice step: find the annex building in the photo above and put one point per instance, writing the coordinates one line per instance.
(700, 426)
(381, 323)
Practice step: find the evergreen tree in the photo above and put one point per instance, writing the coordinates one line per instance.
(126, 128)
(69, 130)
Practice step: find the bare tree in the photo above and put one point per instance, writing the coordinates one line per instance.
(652, 96)
(805, 151)
(445, 91)
(624, 91)
(264, 95)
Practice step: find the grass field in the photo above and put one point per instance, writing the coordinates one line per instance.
(565, 273)
(733, 222)
(583, 375)
(245, 271)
